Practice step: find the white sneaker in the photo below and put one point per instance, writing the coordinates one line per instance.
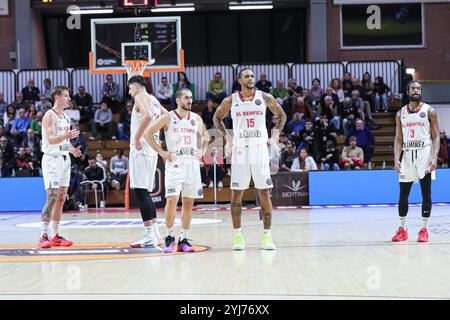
(145, 243)
(211, 185)
(204, 185)
(220, 185)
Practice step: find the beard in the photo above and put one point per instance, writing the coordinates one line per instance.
(416, 97)
(186, 107)
(249, 86)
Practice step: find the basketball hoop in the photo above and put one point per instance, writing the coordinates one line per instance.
(135, 67)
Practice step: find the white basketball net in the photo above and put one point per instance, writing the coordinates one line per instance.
(135, 67)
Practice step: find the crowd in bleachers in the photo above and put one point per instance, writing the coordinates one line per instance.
(316, 117)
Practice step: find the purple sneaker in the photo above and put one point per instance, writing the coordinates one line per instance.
(169, 244)
(185, 246)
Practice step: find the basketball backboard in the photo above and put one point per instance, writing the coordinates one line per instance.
(157, 40)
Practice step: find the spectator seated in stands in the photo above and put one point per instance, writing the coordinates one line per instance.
(352, 156)
(73, 113)
(31, 111)
(263, 84)
(20, 127)
(85, 104)
(349, 115)
(24, 164)
(287, 157)
(103, 123)
(183, 82)
(365, 139)
(8, 118)
(30, 92)
(215, 159)
(315, 92)
(36, 124)
(294, 127)
(3, 106)
(74, 192)
(308, 138)
(330, 92)
(280, 93)
(357, 105)
(368, 86)
(336, 86)
(47, 89)
(294, 89)
(119, 170)
(19, 103)
(330, 111)
(124, 125)
(216, 89)
(444, 150)
(80, 141)
(382, 91)
(303, 162)
(110, 92)
(101, 161)
(4, 173)
(330, 157)
(43, 103)
(32, 141)
(97, 176)
(324, 131)
(208, 114)
(8, 156)
(164, 93)
(347, 84)
(363, 95)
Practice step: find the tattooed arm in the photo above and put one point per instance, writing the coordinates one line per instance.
(277, 110)
(220, 114)
(432, 115)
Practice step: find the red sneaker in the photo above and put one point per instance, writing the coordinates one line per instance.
(59, 241)
(44, 242)
(401, 235)
(423, 235)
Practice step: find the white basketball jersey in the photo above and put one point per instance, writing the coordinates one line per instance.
(249, 120)
(416, 127)
(60, 149)
(136, 119)
(181, 137)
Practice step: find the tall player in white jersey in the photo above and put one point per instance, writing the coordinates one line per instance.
(56, 146)
(143, 159)
(416, 152)
(184, 132)
(250, 153)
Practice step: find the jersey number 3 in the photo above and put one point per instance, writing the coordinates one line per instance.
(412, 133)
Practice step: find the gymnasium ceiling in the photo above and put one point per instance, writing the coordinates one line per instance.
(60, 6)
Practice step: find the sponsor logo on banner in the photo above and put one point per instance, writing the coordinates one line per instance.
(291, 189)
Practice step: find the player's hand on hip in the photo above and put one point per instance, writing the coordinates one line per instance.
(71, 134)
(138, 145)
(77, 152)
(165, 155)
(398, 167)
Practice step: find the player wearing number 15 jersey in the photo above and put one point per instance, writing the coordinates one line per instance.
(184, 132)
(250, 154)
(416, 152)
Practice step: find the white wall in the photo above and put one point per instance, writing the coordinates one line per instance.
(443, 111)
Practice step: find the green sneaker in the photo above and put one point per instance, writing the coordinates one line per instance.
(267, 242)
(239, 242)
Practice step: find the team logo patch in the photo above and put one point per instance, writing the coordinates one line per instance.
(200, 192)
(269, 182)
(258, 102)
(193, 122)
(422, 114)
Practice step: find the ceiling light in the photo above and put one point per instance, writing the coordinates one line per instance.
(184, 7)
(92, 10)
(253, 5)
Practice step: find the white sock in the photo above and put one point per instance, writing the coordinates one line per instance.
(156, 228)
(237, 231)
(54, 226)
(183, 234)
(267, 231)
(169, 232)
(403, 222)
(148, 231)
(44, 228)
(425, 222)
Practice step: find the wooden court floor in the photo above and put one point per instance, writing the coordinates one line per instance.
(328, 253)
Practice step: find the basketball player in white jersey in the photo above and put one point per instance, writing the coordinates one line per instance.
(416, 153)
(56, 146)
(143, 159)
(249, 147)
(184, 132)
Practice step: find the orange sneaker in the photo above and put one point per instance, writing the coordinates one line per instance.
(423, 235)
(59, 241)
(44, 242)
(401, 235)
